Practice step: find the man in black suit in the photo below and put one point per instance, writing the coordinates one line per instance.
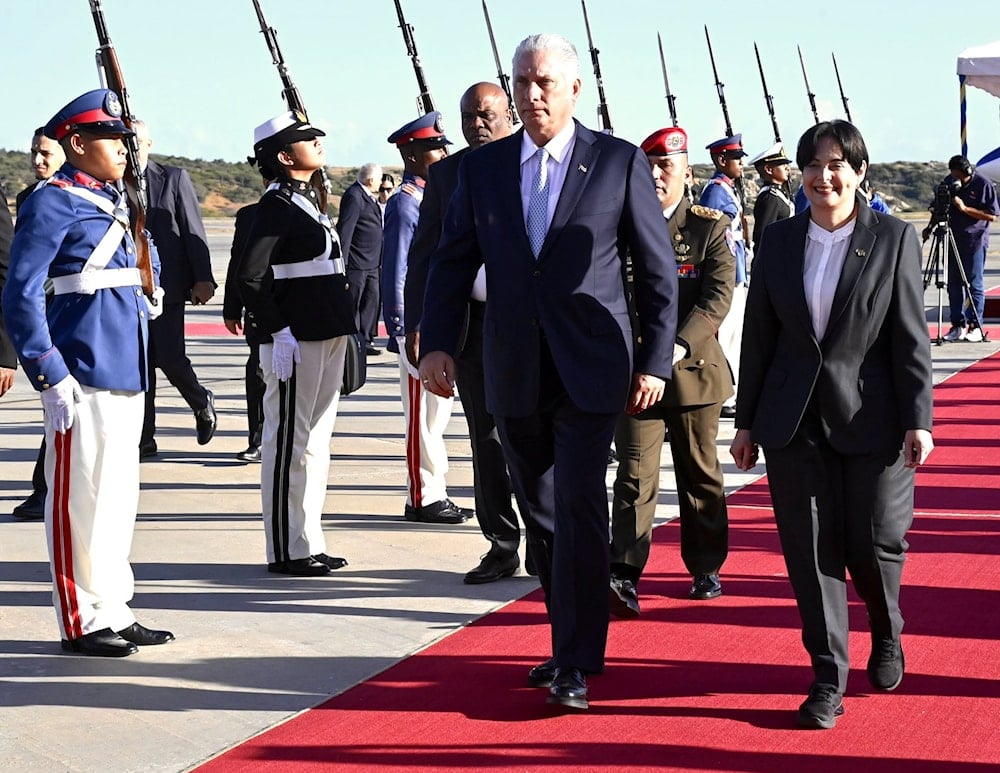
(551, 211)
(359, 226)
(486, 116)
(174, 221)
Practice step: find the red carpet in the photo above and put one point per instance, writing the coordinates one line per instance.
(707, 686)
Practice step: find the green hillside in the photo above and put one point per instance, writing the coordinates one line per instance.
(223, 186)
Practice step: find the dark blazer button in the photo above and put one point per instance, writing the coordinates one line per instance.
(536, 273)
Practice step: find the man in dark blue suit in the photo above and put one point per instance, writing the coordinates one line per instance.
(174, 221)
(552, 211)
(359, 226)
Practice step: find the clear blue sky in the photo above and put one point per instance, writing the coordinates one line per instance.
(199, 73)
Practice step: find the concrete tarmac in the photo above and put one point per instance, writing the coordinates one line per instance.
(252, 648)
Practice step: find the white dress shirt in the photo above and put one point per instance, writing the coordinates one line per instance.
(825, 254)
(560, 149)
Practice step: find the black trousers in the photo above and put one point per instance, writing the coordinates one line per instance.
(365, 295)
(494, 510)
(253, 379)
(558, 458)
(839, 513)
(167, 352)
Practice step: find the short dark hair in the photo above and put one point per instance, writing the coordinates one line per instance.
(844, 133)
(959, 164)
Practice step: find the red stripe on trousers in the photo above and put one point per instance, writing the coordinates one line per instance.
(62, 538)
(413, 443)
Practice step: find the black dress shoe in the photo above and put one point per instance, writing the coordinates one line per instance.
(299, 567)
(334, 562)
(624, 598)
(705, 586)
(569, 689)
(443, 511)
(147, 450)
(371, 351)
(251, 454)
(32, 508)
(101, 644)
(467, 512)
(494, 565)
(143, 636)
(542, 674)
(886, 663)
(205, 420)
(728, 412)
(820, 710)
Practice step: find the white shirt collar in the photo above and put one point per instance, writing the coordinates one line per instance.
(558, 147)
(819, 234)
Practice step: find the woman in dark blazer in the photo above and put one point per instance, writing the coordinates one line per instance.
(835, 386)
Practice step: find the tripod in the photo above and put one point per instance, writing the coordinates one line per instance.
(942, 247)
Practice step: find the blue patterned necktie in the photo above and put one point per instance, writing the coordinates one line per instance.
(538, 204)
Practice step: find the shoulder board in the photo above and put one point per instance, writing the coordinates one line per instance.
(706, 212)
(282, 192)
(59, 182)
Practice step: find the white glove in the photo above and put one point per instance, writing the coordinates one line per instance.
(401, 343)
(59, 401)
(155, 304)
(286, 353)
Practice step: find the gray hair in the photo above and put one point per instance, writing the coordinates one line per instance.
(368, 172)
(551, 43)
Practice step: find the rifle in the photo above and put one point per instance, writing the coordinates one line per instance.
(425, 102)
(809, 93)
(501, 75)
(602, 107)
(671, 101)
(291, 96)
(110, 71)
(843, 97)
(767, 97)
(720, 88)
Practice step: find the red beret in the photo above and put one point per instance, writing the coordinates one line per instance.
(666, 142)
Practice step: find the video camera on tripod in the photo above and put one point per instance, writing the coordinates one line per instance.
(941, 205)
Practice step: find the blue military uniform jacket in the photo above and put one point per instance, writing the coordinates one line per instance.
(99, 338)
(401, 216)
(720, 193)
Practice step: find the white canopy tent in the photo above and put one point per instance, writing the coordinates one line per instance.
(978, 66)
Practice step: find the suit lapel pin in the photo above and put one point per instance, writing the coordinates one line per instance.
(582, 168)
(860, 252)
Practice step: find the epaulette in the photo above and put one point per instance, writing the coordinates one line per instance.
(706, 213)
(59, 182)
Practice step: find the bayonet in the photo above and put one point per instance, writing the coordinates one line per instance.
(602, 106)
(809, 92)
(843, 97)
(767, 96)
(671, 101)
(425, 102)
(501, 75)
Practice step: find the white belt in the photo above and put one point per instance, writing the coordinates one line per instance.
(89, 282)
(307, 268)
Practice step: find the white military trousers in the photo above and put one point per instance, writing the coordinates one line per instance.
(731, 335)
(92, 471)
(426, 415)
(299, 416)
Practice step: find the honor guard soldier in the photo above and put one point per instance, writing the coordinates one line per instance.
(86, 354)
(773, 203)
(421, 143)
(720, 192)
(691, 403)
(294, 285)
